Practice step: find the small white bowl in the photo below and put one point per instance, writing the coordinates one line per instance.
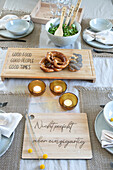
(99, 24)
(17, 27)
(62, 41)
(108, 112)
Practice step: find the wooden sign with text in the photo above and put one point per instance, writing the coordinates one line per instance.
(24, 63)
(59, 135)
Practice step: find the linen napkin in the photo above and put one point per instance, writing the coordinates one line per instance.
(7, 18)
(11, 122)
(105, 37)
(106, 139)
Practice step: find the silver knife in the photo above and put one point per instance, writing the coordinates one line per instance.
(13, 40)
(98, 51)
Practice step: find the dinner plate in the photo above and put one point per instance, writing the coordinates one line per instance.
(7, 34)
(96, 43)
(101, 124)
(5, 142)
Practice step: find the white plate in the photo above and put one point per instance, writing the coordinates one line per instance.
(8, 34)
(101, 124)
(17, 26)
(95, 43)
(5, 142)
(100, 24)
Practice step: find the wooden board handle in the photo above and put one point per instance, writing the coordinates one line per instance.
(75, 12)
(69, 14)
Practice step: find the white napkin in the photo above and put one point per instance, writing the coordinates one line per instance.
(105, 37)
(12, 120)
(7, 18)
(107, 139)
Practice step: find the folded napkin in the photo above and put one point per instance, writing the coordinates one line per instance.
(11, 121)
(7, 18)
(105, 37)
(107, 139)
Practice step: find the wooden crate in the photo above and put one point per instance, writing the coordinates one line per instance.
(41, 13)
(59, 135)
(24, 63)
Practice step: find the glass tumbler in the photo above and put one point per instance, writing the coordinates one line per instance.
(53, 7)
(62, 3)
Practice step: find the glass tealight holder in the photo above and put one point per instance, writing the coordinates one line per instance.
(68, 101)
(37, 87)
(58, 87)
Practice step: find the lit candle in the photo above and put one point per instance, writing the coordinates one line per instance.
(37, 89)
(58, 89)
(67, 102)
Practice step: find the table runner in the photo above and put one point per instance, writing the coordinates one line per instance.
(16, 103)
(95, 97)
(85, 24)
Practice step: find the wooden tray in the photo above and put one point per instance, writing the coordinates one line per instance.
(70, 142)
(41, 13)
(24, 63)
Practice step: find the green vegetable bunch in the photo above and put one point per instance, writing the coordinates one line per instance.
(67, 30)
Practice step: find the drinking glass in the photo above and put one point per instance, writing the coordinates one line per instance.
(110, 95)
(53, 7)
(62, 3)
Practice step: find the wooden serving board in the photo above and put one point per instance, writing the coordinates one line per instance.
(41, 13)
(24, 63)
(59, 135)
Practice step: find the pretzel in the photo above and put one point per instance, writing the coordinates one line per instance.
(58, 59)
(43, 65)
(46, 66)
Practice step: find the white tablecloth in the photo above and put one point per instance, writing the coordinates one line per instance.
(103, 68)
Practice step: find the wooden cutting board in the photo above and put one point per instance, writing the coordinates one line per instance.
(24, 63)
(59, 135)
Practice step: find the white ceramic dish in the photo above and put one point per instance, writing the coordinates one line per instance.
(8, 34)
(99, 24)
(62, 41)
(5, 142)
(101, 124)
(17, 26)
(108, 113)
(95, 43)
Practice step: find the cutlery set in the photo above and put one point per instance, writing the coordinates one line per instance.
(59, 31)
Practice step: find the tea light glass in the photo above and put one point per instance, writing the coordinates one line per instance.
(68, 101)
(58, 87)
(37, 87)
